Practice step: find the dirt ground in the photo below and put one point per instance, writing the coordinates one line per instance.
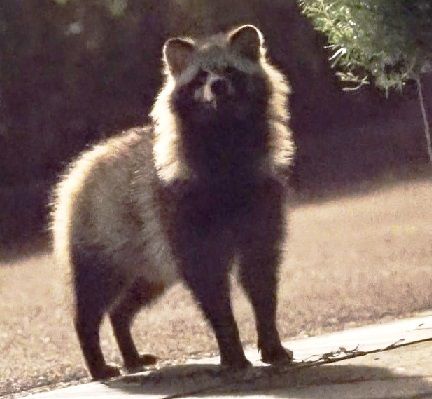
(348, 261)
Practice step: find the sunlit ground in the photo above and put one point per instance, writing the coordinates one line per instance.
(349, 261)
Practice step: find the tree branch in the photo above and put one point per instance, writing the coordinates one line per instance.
(424, 117)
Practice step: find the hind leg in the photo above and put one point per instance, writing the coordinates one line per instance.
(96, 287)
(139, 294)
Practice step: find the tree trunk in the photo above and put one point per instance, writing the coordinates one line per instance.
(424, 117)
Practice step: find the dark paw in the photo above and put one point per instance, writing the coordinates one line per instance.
(239, 363)
(278, 356)
(106, 372)
(144, 360)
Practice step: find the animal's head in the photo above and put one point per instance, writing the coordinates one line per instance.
(220, 75)
(220, 93)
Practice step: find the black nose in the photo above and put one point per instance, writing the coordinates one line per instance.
(219, 87)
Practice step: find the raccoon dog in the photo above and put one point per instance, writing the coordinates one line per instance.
(181, 198)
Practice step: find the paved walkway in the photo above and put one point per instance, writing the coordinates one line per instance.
(391, 361)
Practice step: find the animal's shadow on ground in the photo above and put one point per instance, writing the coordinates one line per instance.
(316, 382)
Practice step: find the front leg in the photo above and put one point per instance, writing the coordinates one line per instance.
(205, 265)
(258, 276)
(259, 250)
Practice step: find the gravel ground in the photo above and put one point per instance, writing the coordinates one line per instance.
(348, 261)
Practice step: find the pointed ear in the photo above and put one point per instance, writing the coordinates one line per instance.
(178, 54)
(247, 41)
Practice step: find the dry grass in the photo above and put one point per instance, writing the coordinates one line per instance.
(348, 261)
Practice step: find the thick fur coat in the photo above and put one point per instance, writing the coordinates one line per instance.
(181, 198)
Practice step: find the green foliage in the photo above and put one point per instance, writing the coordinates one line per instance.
(389, 41)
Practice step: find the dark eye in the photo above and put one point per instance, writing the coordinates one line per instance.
(201, 77)
(230, 70)
(237, 78)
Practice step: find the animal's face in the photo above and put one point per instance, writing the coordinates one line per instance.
(221, 111)
(221, 77)
(211, 89)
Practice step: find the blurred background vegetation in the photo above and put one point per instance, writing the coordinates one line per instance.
(75, 71)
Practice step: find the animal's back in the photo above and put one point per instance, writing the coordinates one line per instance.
(106, 203)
